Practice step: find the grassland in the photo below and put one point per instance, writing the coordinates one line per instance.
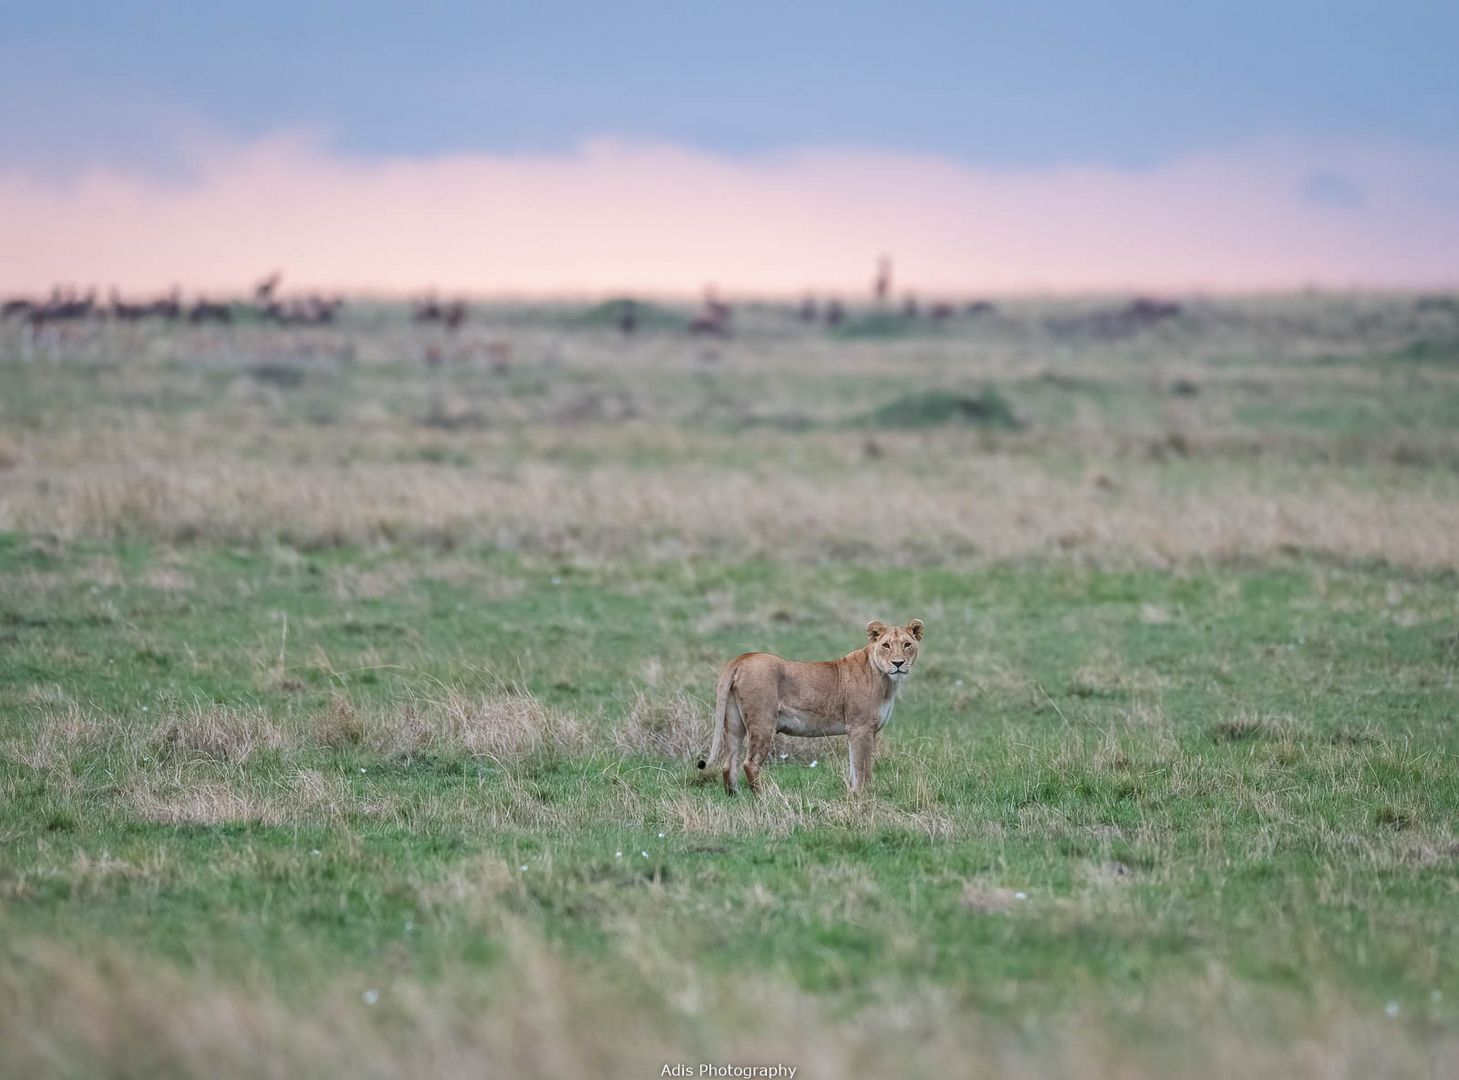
(350, 680)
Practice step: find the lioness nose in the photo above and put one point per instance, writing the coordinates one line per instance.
(898, 663)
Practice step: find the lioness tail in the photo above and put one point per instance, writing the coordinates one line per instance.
(721, 712)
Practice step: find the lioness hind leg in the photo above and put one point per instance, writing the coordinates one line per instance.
(735, 725)
(761, 738)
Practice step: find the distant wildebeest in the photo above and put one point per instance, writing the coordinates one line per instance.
(168, 307)
(1144, 310)
(835, 313)
(713, 317)
(205, 311)
(63, 305)
(1139, 314)
(123, 311)
(308, 311)
(66, 304)
(808, 309)
(450, 315)
(627, 317)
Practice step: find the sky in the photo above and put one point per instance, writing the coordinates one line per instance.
(988, 147)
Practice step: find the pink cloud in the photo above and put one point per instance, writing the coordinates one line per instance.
(663, 219)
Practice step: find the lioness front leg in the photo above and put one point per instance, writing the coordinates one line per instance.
(863, 743)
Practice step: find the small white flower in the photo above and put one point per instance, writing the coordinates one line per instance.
(644, 854)
(409, 926)
(362, 770)
(144, 708)
(1392, 1008)
(524, 868)
(370, 996)
(556, 580)
(784, 756)
(814, 764)
(1020, 896)
(617, 854)
(314, 852)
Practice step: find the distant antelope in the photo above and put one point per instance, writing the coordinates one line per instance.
(882, 287)
(713, 317)
(708, 323)
(263, 292)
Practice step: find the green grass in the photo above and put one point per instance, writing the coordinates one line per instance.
(1222, 736)
(1132, 812)
(648, 316)
(884, 326)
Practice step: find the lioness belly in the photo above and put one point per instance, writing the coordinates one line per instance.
(796, 722)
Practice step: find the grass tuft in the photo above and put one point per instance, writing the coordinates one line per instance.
(931, 408)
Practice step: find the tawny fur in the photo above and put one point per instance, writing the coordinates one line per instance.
(759, 694)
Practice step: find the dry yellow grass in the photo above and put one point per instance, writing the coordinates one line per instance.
(74, 1011)
(1114, 465)
(1000, 507)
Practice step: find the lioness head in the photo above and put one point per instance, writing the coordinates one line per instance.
(894, 648)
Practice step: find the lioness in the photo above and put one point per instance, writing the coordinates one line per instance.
(759, 694)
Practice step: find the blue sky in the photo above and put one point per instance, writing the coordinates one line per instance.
(1001, 84)
(1011, 145)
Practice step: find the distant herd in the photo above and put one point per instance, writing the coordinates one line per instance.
(70, 305)
(713, 318)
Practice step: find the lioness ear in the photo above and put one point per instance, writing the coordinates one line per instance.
(875, 629)
(915, 628)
